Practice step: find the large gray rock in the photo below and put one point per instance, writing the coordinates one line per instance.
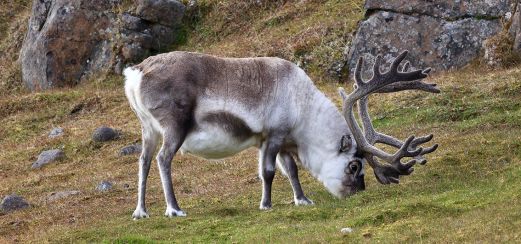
(71, 41)
(141, 38)
(165, 12)
(446, 9)
(439, 34)
(66, 42)
(47, 157)
(432, 42)
(13, 202)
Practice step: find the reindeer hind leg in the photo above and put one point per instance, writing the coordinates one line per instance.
(150, 139)
(173, 137)
(289, 166)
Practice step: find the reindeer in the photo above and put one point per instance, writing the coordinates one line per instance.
(216, 107)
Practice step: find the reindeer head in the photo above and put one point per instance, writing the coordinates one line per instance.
(392, 81)
(343, 174)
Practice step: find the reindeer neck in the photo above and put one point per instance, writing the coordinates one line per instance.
(320, 131)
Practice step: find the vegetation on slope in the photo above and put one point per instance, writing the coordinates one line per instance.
(313, 34)
(469, 190)
(14, 16)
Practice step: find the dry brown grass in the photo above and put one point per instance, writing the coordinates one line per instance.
(26, 121)
(311, 33)
(14, 16)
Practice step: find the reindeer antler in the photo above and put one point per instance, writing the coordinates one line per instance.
(391, 81)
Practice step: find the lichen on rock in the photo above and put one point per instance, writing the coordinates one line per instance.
(442, 35)
(71, 41)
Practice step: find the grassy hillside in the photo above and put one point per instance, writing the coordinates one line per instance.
(311, 33)
(469, 191)
(14, 16)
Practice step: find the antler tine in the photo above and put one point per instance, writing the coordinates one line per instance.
(358, 72)
(397, 61)
(374, 137)
(391, 81)
(410, 85)
(376, 66)
(406, 66)
(363, 113)
(391, 141)
(379, 80)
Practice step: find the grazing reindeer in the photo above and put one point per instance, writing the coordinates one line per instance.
(216, 107)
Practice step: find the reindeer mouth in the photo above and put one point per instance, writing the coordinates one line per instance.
(351, 188)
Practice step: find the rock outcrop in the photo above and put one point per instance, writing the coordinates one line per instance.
(150, 30)
(445, 9)
(439, 34)
(70, 41)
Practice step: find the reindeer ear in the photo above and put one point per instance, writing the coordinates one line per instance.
(345, 143)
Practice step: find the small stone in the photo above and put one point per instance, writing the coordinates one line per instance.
(130, 149)
(346, 230)
(103, 134)
(12, 203)
(47, 157)
(61, 194)
(77, 108)
(104, 186)
(126, 186)
(56, 132)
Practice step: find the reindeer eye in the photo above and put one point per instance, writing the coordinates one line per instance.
(353, 167)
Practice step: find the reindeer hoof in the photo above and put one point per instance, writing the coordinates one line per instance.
(170, 212)
(303, 202)
(265, 206)
(140, 214)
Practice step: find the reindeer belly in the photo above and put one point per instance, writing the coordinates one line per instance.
(214, 143)
(219, 135)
